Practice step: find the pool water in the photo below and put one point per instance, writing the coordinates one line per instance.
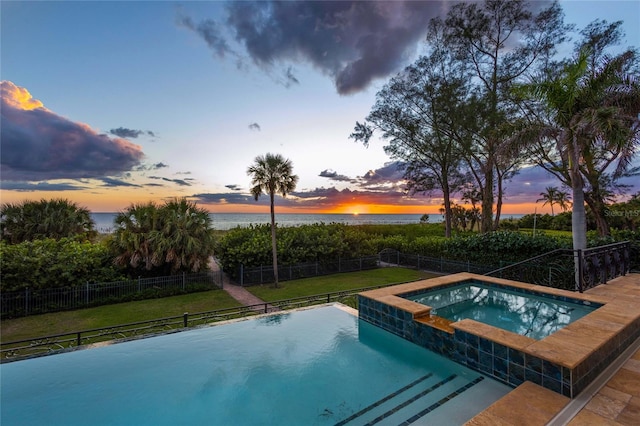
(526, 314)
(318, 366)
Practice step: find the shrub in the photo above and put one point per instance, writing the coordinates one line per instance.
(50, 263)
(494, 247)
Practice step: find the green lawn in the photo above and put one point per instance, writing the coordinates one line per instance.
(108, 315)
(142, 310)
(337, 282)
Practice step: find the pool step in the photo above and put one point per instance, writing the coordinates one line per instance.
(411, 402)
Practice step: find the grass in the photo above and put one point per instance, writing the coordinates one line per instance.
(142, 310)
(109, 315)
(337, 282)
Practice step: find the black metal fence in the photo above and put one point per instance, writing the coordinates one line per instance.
(434, 264)
(558, 268)
(38, 301)
(553, 269)
(264, 274)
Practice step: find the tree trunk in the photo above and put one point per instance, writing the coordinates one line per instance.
(496, 223)
(486, 225)
(578, 213)
(447, 212)
(598, 208)
(274, 249)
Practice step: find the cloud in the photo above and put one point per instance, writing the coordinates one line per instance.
(225, 198)
(526, 186)
(289, 78)
(392, 173)
(156, 166)
(332, 175)
(181, 182)
(211, 32)
(255, 126)
(40, 186)
(116, 183)
(123, 132)
(354, 42)
(234, 187)
(38, 144)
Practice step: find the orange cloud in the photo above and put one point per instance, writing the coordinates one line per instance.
(38, 144)
(18, 97)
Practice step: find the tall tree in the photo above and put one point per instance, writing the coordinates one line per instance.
(563, 200)
(420, 112)
(272, 174)
(55, 218)
(549, 196)
(500, 42)
(589, 132)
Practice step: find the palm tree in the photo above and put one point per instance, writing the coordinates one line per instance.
(160, 240)
(130, 239)
(563, 200)
(549, 197)
(184, 240)
(271, 174)
(55, 218)
(587, 119)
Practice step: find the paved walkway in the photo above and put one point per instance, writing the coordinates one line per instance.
(239, 293)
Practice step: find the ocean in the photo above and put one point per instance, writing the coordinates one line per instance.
(225, 221)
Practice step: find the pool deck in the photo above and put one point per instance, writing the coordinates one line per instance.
(614, 398)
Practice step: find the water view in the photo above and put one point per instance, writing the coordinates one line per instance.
(225, 221)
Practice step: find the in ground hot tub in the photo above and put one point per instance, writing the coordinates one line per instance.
(562, 342)
(520, 311)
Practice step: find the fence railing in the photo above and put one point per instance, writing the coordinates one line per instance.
(264, 274)
(37, 301)
(434, 264)
(553, 269)
(558, 268)
(21, 349)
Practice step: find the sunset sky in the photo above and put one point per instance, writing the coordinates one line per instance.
(113, 103)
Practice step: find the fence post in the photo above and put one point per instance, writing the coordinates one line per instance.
(79, 338)
(138, 283)
(185, 319)
(579, 266)
(183, 279)
(86, 297)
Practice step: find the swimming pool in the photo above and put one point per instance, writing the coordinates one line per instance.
(526, 314)
(319, 366)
